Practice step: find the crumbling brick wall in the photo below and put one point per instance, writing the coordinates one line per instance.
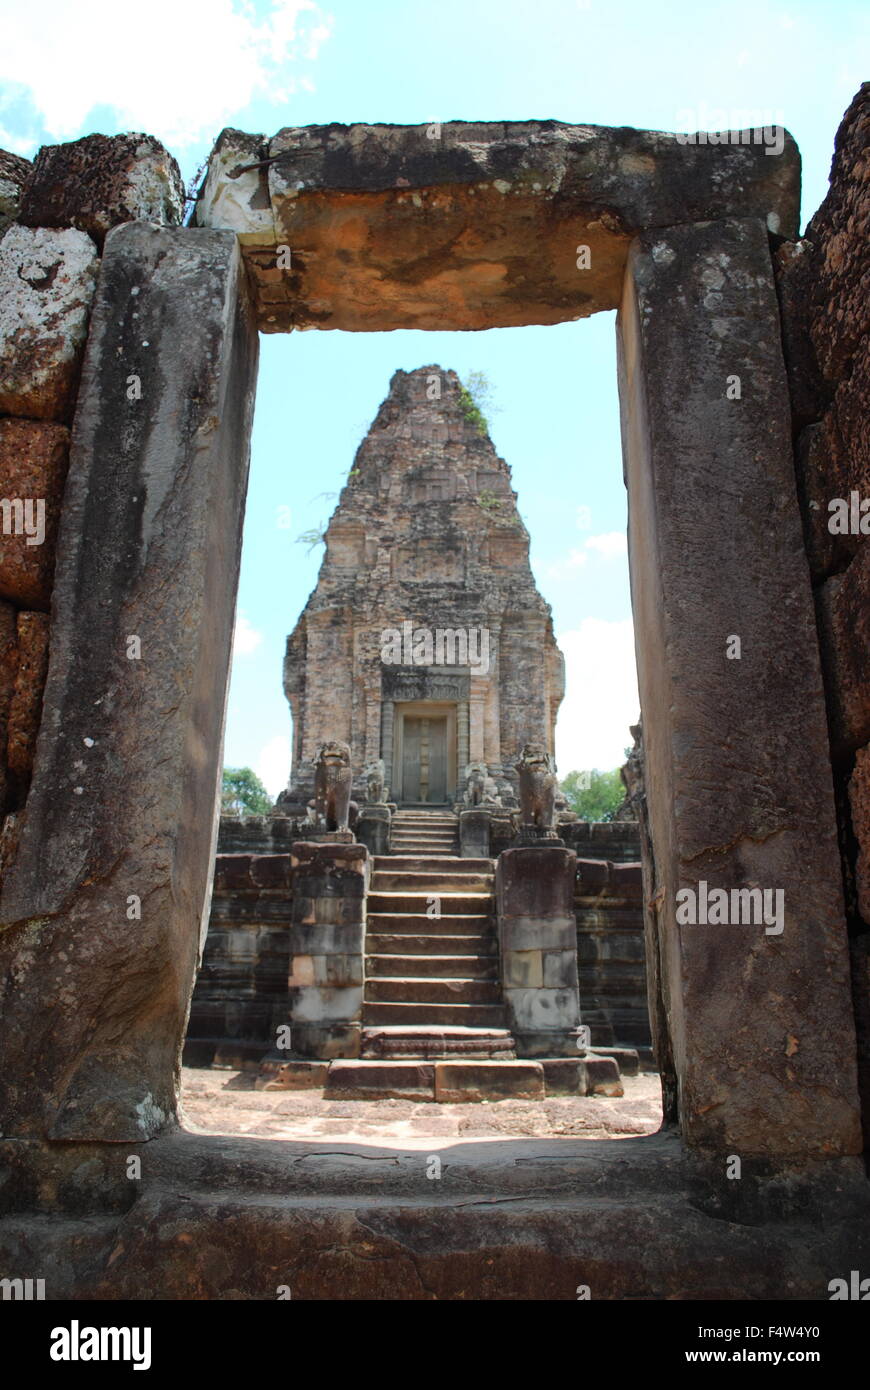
(824, 287)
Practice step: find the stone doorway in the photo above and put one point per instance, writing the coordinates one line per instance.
(425, 753)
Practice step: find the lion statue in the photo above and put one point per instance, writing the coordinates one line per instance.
(332, 785)
(374, 773)
(480, 788)
(538, 787)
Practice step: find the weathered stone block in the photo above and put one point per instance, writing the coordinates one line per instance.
(564, 1076)
(325, 1004)
(373, 829)
(522, 969)
(602, 1076)
(458, 1083)
(859, 800)
(25, 709)
(47, 283)
(124, 791)
(535, 883)
(843, 604)
(14, 172)
(33, 463)
(390, 228)
(540, 1010)
(474, 836)
(352, 1080)
(560, 969)
(840, 230)
(712, 492)
(326, 1041)
(100, 181)
(327, 938)
(279, 1075)
(8, 674)
(541, 933)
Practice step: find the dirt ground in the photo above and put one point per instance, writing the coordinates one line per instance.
(225, 1102)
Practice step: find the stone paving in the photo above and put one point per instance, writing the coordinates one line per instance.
(225, 1102)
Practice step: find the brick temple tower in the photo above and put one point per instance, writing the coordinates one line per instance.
(425, 642)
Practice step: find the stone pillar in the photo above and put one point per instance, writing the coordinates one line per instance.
(737, 762)
(373, 723)
(373, 829)
(462, 756)
(388, 717)
(327, 945)
(476, 719)
(474, 834)
(104, 903)
(537, 935)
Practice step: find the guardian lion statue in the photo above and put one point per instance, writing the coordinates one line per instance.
(480, 788)
(374, 773)
(538, 787)
(332, 784)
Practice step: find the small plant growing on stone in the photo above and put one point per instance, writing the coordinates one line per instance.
(488, 501)
(316, 536)
(475, 399)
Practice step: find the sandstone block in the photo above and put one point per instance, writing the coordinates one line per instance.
(100, 181)
(602, 1076)
(352, 1080)
(522, 969)
(25, 710)
(33, 463)
(324, 1004)
(462, 1082)
(840, 232)
(14, 172)
(859, 800)
(755, 808)
(560, 969)
(564, 1076)
(47, 283)
(121, 801)
(279, 1075)
(8, 674)
(844, 632)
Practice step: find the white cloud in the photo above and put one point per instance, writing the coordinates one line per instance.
(273, 764)
(609, 543)
(177, 69)
(246, 638)
(601, 699)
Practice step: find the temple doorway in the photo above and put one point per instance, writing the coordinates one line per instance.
(425, 762)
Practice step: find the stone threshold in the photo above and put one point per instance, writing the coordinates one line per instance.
(455, 1082)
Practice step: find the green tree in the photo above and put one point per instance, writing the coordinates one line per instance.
(243, 791)
(594, 795)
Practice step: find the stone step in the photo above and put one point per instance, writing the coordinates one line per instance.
(450, 1081)
(419, 1040)
(417, 923)
(469, 967)
(423, 844)
(452, 904)
(435, 1015)
(418, 863)
(445, 881)
(420, 990)
(412, 945)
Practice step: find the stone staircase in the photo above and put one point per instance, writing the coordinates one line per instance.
(432, 987)
(420, 832)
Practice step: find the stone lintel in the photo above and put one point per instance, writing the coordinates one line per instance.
(382, 227)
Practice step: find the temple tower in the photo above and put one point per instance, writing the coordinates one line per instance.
(426, 642)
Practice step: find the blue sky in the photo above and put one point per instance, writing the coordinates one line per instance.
(183, 69)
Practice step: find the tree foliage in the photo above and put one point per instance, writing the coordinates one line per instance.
(476, 400)
(594, 795)
(244, 792)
